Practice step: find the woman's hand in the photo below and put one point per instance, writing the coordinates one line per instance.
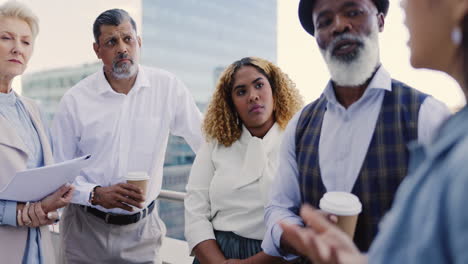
(321, 241)
(32, 215)
(208, 251)
(44, 212)
(259, 258)
(58, 199)
(233, 261)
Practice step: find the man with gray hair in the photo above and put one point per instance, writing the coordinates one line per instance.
(355, 137)
(122, 115)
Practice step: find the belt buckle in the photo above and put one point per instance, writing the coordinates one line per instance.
(143, 213)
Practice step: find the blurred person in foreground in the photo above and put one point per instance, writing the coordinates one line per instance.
(232, 173)
(428, 220)
(122, 115)
(24, 144)
(354, 137)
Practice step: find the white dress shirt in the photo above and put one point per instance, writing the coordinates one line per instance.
(229, 187)
(344, 139)
(123, 133)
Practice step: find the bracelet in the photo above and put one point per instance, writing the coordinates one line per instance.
(91, 195)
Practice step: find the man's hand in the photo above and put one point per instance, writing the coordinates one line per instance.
(321, 241)
(119, 196)
(288, 248)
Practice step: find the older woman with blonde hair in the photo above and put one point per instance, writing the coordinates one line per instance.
(24, 234)
(230, 178)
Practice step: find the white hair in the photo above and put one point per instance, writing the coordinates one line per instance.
(356, 71)
(21, 11)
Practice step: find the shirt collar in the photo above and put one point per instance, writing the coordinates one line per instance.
(271, 135)
(8, 98)
(381, 80)
(104, 86)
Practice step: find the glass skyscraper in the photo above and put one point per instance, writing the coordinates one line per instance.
(196, 39)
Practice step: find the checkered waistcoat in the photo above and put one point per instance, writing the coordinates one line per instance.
(384, 166)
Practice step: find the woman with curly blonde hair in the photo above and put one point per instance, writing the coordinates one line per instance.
(230, 178)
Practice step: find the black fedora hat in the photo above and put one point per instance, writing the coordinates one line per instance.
(306, 7)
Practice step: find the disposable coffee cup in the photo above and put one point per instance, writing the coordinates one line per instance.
(138, 178)
(346, 206)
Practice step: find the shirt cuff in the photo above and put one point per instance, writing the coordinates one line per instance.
(82, 192)
(277, 232)
(197, 234)
(271, 245)
(9, 213)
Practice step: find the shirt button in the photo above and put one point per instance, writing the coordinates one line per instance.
(346, 117)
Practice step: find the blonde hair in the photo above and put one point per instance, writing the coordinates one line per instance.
(19, 10)
(222, 122)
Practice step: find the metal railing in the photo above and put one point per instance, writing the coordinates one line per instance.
(171, 249)
(172, 196)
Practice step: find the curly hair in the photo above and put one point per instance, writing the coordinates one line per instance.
(222, 122)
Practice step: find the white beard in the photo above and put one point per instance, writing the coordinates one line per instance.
(359, 69)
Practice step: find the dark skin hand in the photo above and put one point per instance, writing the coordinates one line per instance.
(209, 252)
(119, 196)
(287, 247)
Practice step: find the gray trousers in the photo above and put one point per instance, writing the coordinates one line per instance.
(88, 239)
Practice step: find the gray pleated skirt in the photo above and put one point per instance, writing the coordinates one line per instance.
(235, 247)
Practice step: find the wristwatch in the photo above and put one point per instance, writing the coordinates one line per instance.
(91, 195)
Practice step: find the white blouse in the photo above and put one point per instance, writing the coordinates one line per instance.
(229, 187)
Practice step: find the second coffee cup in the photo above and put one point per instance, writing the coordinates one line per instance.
(346, 206)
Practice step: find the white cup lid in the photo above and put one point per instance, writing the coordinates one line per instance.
(137, 176)
(340, 203)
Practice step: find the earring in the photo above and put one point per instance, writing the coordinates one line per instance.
(457, 36)
(236, 116)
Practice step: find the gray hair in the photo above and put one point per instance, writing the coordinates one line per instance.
(19, 10)
(112, 17)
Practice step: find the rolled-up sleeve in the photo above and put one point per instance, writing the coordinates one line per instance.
(285, 195)
(198, 227)
(187, 119)
(7, 213)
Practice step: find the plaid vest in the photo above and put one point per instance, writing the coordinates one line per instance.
(384, 166)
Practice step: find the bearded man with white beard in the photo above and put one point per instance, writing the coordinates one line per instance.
(355, 137)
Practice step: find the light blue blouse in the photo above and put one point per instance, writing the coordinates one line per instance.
(428, 222)
(12, 109)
